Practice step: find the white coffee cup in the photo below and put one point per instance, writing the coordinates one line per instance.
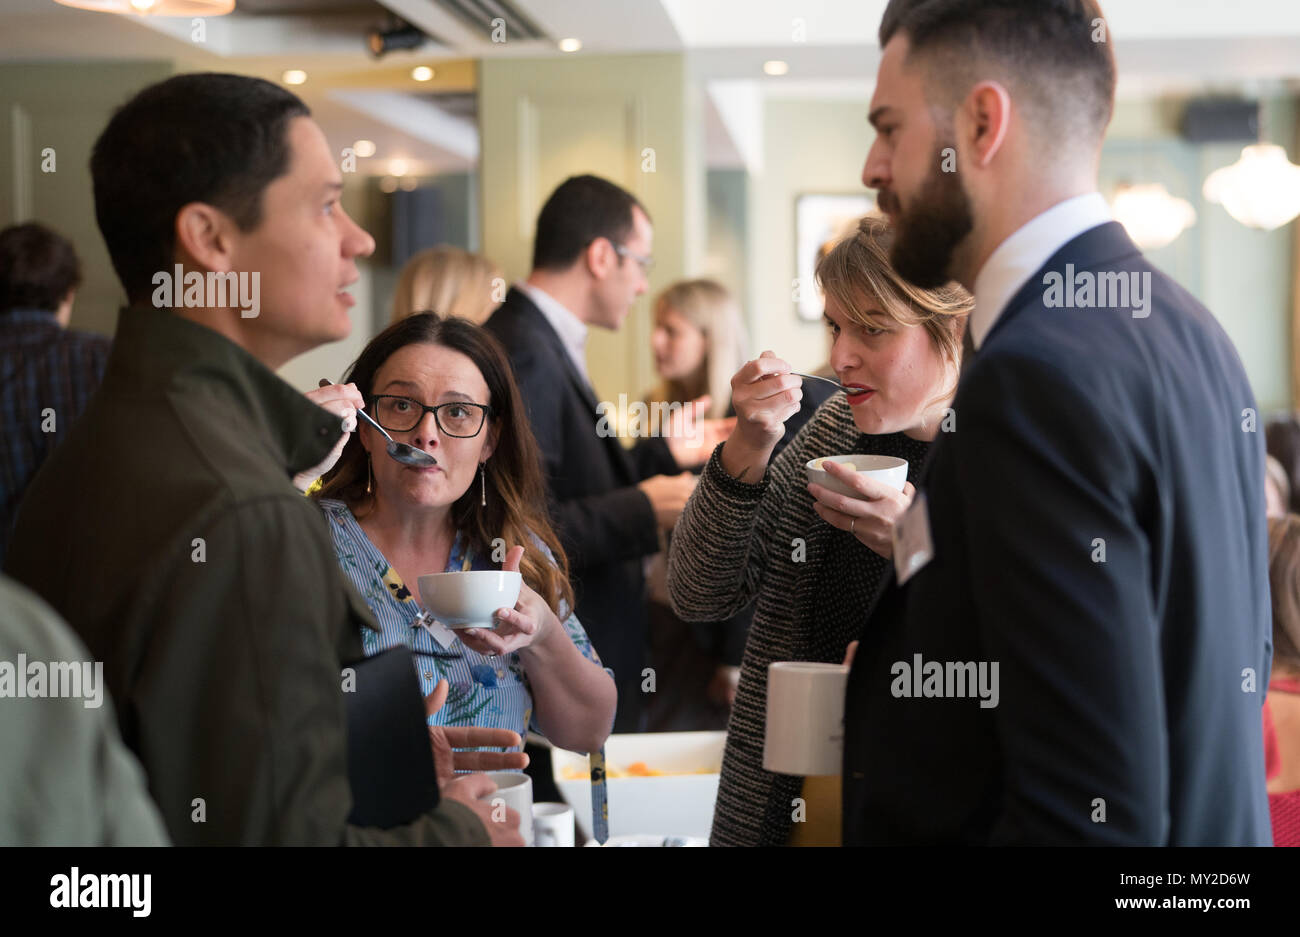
(805, 718)
(552, 824)
(514, 790)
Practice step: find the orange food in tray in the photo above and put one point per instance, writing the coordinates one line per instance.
(637, 769)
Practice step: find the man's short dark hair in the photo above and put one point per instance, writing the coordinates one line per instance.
(580, 210)
(37, 268)
(212, 138)
(1056, 51)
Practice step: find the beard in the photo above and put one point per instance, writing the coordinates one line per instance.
(927, 235)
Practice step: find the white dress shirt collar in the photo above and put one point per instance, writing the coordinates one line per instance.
(571, 329)
(1021, 255)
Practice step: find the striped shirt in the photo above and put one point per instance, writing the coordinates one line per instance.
(814, 584)
(488, 692)
(47, 375)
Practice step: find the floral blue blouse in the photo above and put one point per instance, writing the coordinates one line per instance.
(489, 692)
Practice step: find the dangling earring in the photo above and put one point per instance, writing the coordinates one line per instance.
(367, 474)
(482, 484)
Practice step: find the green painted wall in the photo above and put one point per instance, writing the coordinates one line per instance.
(64, 107)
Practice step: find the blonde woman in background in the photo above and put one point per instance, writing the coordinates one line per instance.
(450, 282)
(698, 343)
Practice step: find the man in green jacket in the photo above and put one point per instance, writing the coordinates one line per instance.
(166, 529)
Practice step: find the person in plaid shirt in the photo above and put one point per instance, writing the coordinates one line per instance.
(47, 371)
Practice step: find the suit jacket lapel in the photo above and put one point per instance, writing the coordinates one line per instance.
(578, 382)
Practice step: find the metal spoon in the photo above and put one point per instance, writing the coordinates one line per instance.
(814, 377)
(400, 451)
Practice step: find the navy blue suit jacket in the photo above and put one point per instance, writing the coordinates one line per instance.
(1130, 681)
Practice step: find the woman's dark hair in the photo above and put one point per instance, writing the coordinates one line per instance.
(516, 499)
(37, 268)
(213, 138)
(580, 210)
(1282, 437)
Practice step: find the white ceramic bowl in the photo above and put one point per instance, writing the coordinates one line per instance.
(677, 805)
(468, 599)
(883, 468)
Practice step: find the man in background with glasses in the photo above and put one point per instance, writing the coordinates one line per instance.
(591, 256)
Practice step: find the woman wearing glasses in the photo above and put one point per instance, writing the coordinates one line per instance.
(445, 386)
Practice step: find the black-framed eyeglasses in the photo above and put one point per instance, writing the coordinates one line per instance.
(647, 263)
(459, 418)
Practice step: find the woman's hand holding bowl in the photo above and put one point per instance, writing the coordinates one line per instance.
(870, 516)
(530, 622)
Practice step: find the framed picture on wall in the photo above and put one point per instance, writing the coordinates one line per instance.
(819, 218)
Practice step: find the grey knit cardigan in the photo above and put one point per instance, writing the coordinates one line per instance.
(737, 541)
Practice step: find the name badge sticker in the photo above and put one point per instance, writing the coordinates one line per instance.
(913, 547)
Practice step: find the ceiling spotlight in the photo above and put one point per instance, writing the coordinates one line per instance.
(775, 67)
(382, 41)
(294, 76)
(422, 73)
(397, 167)
(364, 148)
(570, 45)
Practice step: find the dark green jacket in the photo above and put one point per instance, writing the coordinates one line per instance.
(165, 529)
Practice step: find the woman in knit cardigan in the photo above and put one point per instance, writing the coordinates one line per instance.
(812, 558)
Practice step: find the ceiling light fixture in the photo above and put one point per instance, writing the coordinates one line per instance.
(775, 67)
(1152, 217)
(294, 76)
(364, 148)
(1260, 190)
(422, 73)
(570, 45)
(154, 7)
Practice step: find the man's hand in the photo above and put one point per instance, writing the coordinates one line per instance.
(722, 688)
(446, 738)
(668, 495)
(469, 790)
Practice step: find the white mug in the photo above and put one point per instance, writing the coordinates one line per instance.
(805, 718)
(514, 790)
(552, 824)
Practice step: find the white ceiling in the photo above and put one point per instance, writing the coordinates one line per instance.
(830, 45)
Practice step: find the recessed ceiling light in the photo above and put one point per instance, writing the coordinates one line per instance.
(294, 76)
(397, 167)
(570, 45)
(364, 148)
(775, 67)
(422, 73)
